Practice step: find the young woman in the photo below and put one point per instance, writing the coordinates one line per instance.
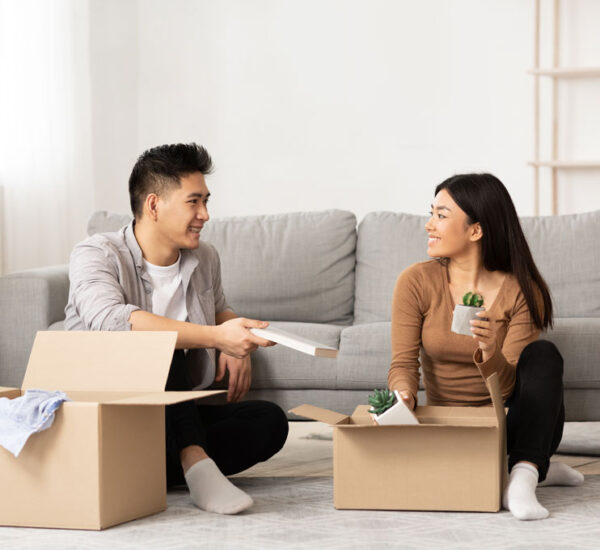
(478, 245)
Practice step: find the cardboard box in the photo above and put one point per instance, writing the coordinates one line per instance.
(454, 460)
(103, 460)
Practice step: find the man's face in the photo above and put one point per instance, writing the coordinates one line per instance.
(182, 212)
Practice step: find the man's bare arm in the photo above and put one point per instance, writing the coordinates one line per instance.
(231, 336)
(224, 316)
(189, 335)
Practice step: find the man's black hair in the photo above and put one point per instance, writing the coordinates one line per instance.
(159, 169)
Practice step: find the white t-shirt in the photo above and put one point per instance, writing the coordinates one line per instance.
(168, 299)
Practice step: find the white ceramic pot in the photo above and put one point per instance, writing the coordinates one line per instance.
(397, 414)
(462, 317)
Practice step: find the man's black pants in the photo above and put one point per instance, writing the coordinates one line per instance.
(235, 435)
(536, 414)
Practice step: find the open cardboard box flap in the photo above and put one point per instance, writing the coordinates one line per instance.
(108, 367)
(361, 417)
(136, 361)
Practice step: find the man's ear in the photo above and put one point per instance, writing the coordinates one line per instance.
(151, 206)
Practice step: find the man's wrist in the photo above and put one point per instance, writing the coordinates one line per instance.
(214, 336)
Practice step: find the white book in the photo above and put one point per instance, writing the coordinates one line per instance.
(295, 342)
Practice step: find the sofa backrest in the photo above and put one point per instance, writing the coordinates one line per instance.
(288, 267)
(564, 249)
(567, 253)
(388, 242)
(283, 267)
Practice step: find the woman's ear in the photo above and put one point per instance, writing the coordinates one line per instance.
(476, 232)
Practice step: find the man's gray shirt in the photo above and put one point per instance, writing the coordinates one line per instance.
(108, 282)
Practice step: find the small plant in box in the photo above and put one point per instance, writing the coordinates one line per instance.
(388, 408)
(381, 401)
(465, 313)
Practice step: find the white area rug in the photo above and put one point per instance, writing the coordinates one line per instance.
(581, 438)
(294, 513)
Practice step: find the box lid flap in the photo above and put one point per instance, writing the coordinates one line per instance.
(100, 361)
(493, 386)
(10, 393)
(164, 398)
(322, 415)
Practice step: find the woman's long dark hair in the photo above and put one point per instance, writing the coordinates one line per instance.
(484, 199)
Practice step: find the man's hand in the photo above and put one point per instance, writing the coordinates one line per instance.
(234, 338)
(240, 375)
(484, 330)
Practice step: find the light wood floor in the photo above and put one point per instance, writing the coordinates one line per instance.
(308, 453)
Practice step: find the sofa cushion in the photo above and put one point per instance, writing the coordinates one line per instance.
(387, 244)
(365, 354)
(568, 256)
(282, 367)
(288, 267)
(364, 357)
(579, 343)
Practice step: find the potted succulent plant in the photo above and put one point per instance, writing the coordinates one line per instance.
(466, 312)
(389, 408)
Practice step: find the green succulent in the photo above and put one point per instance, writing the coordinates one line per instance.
(474, 300)
(381, 401)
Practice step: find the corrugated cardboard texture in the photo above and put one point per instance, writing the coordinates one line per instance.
(100, 361)
(454, 460)
(54, 481)
(165, 398)
(322, 415)
(132, 464)
(10, 393)
(417, 468)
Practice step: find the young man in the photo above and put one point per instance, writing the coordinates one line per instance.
(156, 274)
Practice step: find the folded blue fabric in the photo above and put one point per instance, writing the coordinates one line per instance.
(22, 416)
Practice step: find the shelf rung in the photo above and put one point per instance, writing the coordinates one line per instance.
(564, 72)
(566, 164)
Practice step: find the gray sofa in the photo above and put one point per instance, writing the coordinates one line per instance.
(321, 276)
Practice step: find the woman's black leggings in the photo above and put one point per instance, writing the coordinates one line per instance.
(235, 435)
(536, 413)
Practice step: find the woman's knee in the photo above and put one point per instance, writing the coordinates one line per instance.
(544, 355)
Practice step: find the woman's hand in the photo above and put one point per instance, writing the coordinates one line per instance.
(408, 399)
(484, 331)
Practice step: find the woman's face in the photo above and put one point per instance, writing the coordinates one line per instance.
(449, 233)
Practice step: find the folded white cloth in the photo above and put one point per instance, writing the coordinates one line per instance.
(22, 416)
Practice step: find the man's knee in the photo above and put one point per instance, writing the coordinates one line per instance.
(277, 424)
(273, 426)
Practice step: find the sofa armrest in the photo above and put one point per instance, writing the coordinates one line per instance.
(29, 301)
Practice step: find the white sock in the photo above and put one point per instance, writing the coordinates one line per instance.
(212, 491)
(561, 474)
(519, 495)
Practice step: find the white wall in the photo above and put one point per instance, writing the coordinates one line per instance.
(304, 104)
(314, 104)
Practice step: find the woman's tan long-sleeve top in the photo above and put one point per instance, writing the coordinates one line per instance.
(421, 318)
